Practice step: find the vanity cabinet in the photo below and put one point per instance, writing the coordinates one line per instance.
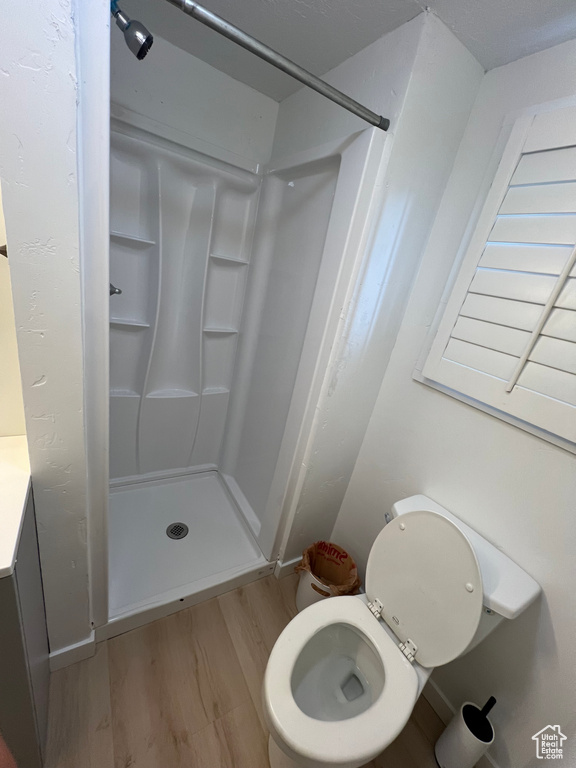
(24, 671)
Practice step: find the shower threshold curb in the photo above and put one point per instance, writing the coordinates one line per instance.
(139, 614)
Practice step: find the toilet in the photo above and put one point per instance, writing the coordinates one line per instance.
(344, 675)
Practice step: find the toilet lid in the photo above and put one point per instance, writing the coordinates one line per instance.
(424, 572)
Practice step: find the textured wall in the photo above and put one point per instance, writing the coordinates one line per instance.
(11, 406)
(38, 165)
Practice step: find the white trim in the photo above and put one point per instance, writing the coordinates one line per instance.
(483, 190)
(515, 123)
(93, 55)
(474, 247)
(482, 194)
(71, 654)
(285, 568)
(501, 415)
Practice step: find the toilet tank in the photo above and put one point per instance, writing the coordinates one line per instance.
(508, 589)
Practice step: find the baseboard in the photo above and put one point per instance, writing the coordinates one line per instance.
(438, 702)
(286, 568)
(445, 711)
(73, 653)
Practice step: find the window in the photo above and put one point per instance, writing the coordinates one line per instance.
(507, 338)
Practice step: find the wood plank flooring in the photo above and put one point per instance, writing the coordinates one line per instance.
(184, 692)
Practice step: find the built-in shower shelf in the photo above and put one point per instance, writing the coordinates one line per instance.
(179, 250)
(221, 331)
(123, 393)
(137, 242)
(216, 391)
(122, 321)
(230, 260)
(172, 393)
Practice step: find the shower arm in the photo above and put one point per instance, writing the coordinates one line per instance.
(223, 27)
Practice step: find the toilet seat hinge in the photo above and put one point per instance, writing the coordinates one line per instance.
(376, 608)
(408, 649)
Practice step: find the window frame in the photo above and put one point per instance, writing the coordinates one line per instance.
(509, 146)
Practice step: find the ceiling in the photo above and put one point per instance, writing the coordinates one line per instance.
(320, 34)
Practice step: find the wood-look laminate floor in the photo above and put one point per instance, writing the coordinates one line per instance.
(184, 692)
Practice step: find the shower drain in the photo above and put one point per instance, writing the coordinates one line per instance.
(177, 530)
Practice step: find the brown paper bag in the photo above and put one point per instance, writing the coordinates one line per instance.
(331, 565)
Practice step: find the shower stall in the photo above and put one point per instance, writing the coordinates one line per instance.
(232, 281)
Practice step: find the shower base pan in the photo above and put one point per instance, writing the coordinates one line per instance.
(152, 574)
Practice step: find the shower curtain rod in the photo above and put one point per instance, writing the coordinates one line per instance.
(223, 27)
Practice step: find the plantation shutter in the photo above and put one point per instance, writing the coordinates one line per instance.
(508, 335)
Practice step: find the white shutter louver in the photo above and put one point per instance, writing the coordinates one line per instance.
(508, 335)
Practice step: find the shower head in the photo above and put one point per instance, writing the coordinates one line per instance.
(137, 37)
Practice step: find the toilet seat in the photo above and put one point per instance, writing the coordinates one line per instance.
(424, 581)
(340, 742)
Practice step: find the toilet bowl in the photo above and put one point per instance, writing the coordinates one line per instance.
(344, 675)
(334, 681)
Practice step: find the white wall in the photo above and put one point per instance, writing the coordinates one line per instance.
(181, 91)
(512, 487)
(437, 82)
(2, 222)
(377, 77)
(306, 120)
(38, 166)
(11, 405)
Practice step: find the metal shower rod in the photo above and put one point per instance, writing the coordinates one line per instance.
(223, 27)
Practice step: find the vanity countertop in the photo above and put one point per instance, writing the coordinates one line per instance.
(14, 486)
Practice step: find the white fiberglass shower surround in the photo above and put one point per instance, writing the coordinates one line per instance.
(232, 282)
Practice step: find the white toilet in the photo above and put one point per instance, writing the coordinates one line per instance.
(344, 675)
